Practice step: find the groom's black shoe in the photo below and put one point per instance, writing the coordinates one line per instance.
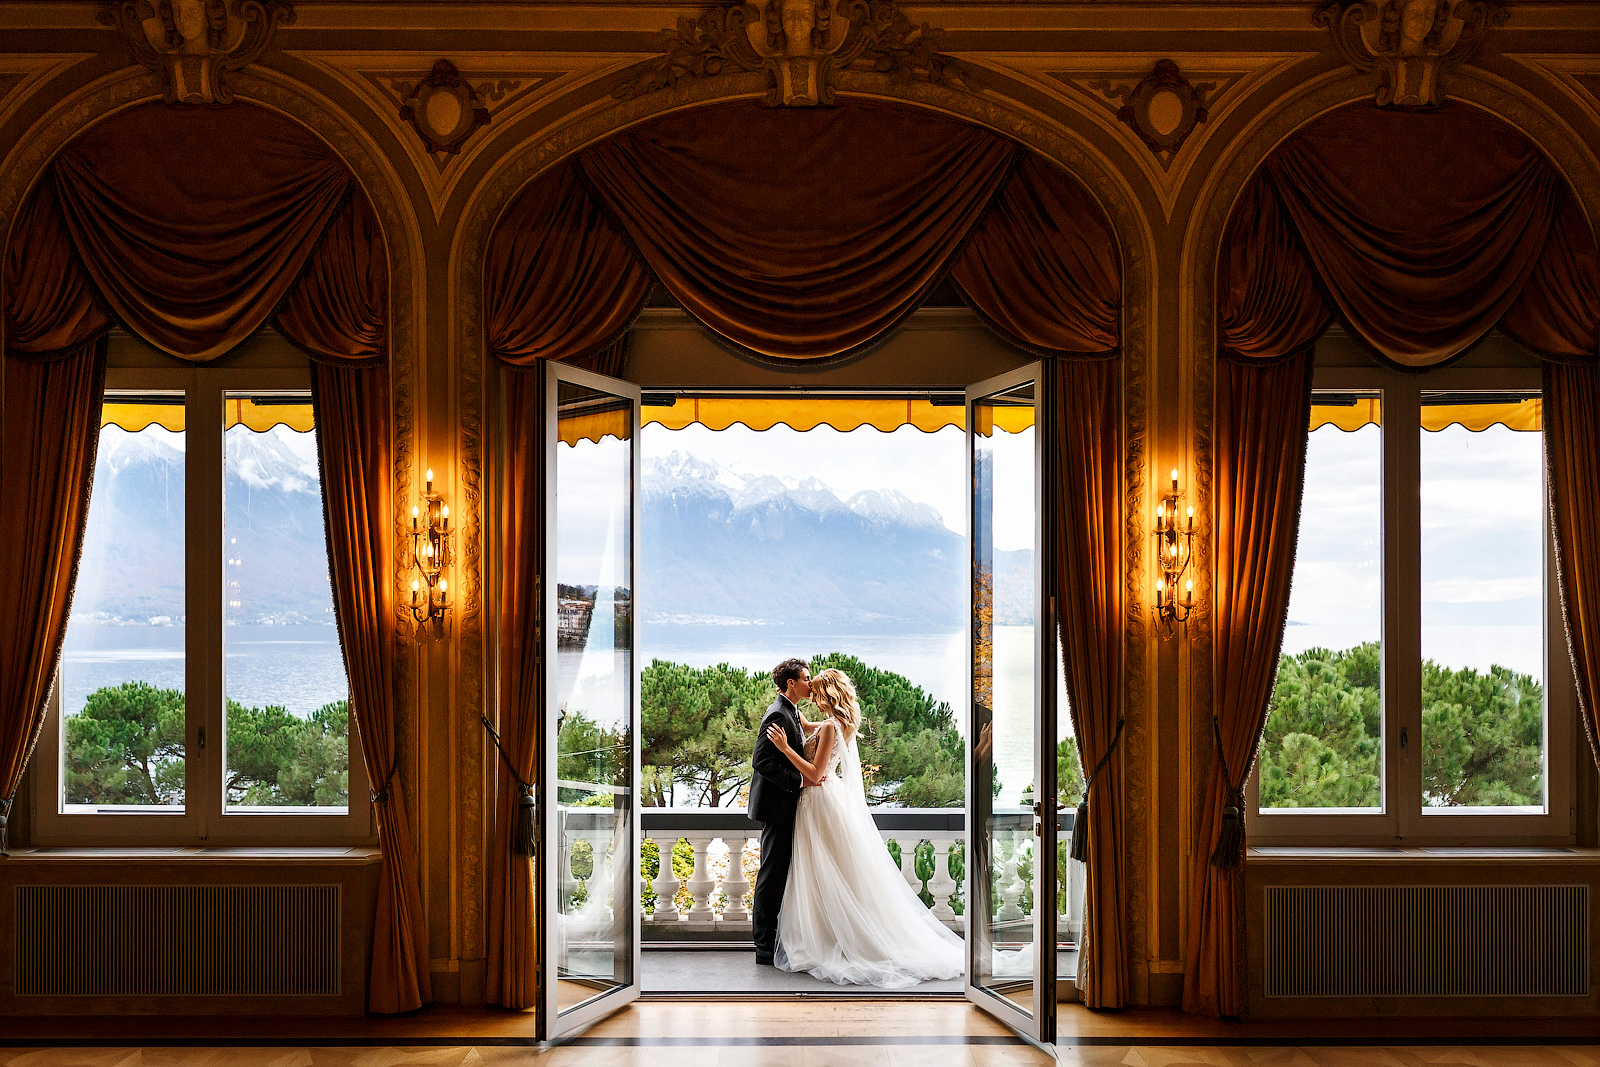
(764, 961)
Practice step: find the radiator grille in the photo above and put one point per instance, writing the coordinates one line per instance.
(177, 941)
(1427, 941)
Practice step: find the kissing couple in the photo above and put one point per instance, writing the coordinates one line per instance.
(829, 899)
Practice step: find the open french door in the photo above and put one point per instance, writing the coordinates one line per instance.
(588, 854)
(1011, 772)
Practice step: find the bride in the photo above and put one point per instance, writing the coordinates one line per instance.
(848, 916)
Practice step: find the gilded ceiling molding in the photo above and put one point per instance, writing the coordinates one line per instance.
(1412, 44)
(192, 45)
(445, 109)
(801, 46)
(530, 151)
(1164, 108)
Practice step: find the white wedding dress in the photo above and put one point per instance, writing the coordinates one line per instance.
(848, 915)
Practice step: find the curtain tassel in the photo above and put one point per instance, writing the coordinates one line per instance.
(1080, 831)
(1079, 849)
(522, 845)
(522, 839)
(1230, 839)
(5, 813)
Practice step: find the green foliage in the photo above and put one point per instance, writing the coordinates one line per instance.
(1482, 734)
(1069, 775)
(127, 747)
(700, 731)
(276, 759)
(922, 867)
(908, 739)
(894, 850)
(589, 752)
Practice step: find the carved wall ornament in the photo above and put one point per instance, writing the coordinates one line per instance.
(1163, 109)
(1411, 43)
(193, 44)
(801, 46)
(444, 108)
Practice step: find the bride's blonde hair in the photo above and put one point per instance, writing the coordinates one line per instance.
(834, 693)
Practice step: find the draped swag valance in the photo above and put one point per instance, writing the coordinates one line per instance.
(192, 227)
(1422, 230)
(801, 235)
(804, 235)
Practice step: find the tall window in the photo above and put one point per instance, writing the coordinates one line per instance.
(1423, 694)
(202, 694)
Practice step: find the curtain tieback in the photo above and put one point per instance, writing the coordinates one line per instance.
(522, 840)
(1079, 849)
(1230, 840)
(380, 795)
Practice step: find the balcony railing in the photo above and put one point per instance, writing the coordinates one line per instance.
(711, 902)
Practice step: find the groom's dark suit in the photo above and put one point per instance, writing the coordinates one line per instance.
(774, 794)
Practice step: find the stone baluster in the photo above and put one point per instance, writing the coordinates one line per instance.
(908, 860)
(736, 885)
(603, 882)
(941, 885)
(666, 883)
(646, 887)
(565, 882)
(1011, 887)
(701, 884)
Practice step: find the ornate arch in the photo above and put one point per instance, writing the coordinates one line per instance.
(87, 105)
(534, 149)
(1279, 116)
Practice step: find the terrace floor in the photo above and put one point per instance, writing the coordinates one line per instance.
(729, 970)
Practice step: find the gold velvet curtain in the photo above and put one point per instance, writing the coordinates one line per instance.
(192, 227)
(1458, 225)
(765, 226)
(51, 427)
(1262, 413)
(1084, 465)
(357, 460)
(513, 912)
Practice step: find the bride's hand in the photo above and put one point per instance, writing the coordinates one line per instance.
(776, 735)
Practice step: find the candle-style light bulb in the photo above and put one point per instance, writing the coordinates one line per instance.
(443, 585)
(1160, 510)
(1174, 477)
(1159, 585)
(430, 479)
(444, 512)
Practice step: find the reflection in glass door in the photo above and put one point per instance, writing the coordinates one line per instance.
(589, 841)
(1011, 875)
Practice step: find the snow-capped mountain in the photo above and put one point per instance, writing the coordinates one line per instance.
(275, 557)
(718, 545)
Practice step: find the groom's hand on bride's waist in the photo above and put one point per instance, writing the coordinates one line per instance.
(819, 781)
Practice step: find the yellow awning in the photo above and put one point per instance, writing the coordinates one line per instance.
(594, 425)
(237, 411)
(1515, 415)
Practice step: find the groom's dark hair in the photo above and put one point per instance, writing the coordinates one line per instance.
(788, 671)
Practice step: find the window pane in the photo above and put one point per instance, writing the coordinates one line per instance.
(1323, 747)
(287, 714)
(1483, 609)
(122, 667)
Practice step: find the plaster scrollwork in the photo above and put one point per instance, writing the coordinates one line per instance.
(1412, 44)
(192, 45)
(801, 46)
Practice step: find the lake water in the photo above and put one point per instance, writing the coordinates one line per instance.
(297, 667)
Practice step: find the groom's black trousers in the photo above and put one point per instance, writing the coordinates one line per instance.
(777, 848)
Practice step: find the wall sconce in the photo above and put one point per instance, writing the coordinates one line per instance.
(1174, 546)
(431, 539)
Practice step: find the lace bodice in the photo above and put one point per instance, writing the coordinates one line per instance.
(836, 756)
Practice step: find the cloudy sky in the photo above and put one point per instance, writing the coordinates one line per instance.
(1482, 498)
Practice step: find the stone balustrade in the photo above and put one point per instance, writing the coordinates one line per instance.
(711, 903)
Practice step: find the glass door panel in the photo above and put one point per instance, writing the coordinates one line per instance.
(1012, 877)
(589, 844)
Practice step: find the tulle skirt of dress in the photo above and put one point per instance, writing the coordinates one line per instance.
(848, 915)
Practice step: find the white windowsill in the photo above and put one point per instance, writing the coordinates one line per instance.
(319, 855)
(1478, 854)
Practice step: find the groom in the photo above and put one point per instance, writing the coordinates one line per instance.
(774, 794)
